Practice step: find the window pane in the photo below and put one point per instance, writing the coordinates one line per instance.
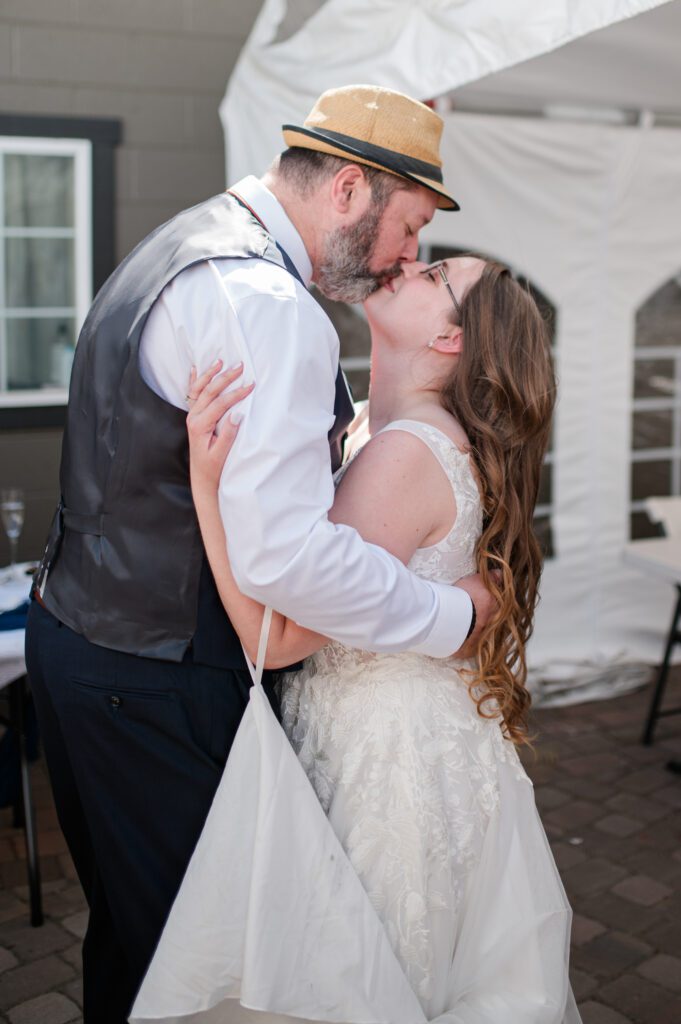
(38, 191)
(359, 384)
(40, 352)
(545, 484)
(650, 479)
(652, 429)
(641, 527)
(40, 272)
(654, 378)
(657, 321)
(544, 534)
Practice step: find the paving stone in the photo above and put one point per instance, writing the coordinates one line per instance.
(74, 990)
(30, 943)
(73, 955)
(553, 832)
(7, 959)
(68, 901)
(549, 797)
(583, 984)
(584, 929)
(33, 979)
(51, 1008)
(662, 835)
(566, 855)
(619, 825)
(645, 781)
(77, 923)
(644, 861)
(67, 867)
(618, 914)
(663, 970)
(645, 1002)
(597, 1013)
(670, 795)
(583, 787)
(51, 843)
(7, 850)
(573, 814)
(595, 766)
(642, 890)
(608, 955)
(640, 808)
(11, 907)
(14, 872)
(592, 876)
(665, 936)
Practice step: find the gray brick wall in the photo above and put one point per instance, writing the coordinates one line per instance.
(161, 67)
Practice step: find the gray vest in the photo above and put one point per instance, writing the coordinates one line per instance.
(124, 564)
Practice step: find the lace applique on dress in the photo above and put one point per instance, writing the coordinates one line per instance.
(403, 764)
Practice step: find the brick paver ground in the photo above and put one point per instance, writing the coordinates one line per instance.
(611, 811)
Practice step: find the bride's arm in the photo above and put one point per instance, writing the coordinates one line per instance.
(379, 495)
(208, 451)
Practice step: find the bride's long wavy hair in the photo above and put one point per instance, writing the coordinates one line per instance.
(502, 391)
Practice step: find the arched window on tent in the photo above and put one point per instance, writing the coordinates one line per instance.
(543, 514)
(656, 407)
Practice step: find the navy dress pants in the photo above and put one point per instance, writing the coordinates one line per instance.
(135, 749)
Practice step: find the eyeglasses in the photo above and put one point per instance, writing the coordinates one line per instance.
(440, 267)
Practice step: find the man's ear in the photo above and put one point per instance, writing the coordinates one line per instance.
(347, 187)
(449, 343)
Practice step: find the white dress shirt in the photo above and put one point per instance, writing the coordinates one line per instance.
(276, 488)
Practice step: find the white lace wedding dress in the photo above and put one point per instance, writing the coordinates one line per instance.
(410, 882)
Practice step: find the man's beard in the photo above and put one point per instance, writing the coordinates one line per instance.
(343, 273)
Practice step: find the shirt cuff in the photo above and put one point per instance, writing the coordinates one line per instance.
(452, 622)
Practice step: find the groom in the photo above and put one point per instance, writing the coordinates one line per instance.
(138, 676)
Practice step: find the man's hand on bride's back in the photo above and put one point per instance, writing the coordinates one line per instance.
(485, 605)
(211, 432)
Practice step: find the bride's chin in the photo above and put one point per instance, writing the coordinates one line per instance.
(373, 301)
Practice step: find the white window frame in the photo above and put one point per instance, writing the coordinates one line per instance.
(672, 404)
(81, 151)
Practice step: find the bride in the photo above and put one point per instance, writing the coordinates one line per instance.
(380, 860)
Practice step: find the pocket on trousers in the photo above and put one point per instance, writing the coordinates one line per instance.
(112, 689)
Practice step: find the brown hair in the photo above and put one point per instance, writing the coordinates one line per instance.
(502, 392)
(306, 169)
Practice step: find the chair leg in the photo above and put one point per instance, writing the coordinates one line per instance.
(32, 860)
(672, 639)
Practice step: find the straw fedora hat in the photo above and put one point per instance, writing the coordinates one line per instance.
(378, 127)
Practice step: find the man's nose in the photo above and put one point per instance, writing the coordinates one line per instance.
(410, 249)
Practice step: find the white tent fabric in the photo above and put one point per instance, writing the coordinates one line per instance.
(423, 48)
(589, 213)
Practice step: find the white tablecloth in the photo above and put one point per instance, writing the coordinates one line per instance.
(15, 585)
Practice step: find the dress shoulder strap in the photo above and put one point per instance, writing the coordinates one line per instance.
(453, 460)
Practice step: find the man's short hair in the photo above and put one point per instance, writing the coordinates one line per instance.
(306, 169)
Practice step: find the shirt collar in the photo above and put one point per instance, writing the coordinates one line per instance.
(277, 222)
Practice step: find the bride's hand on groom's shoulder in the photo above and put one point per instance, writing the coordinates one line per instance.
(211, 431)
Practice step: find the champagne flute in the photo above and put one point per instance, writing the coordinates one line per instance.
(12, 514)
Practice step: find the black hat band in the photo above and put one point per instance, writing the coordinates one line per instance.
(398, 162)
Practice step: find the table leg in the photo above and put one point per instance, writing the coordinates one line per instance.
(18, 696)
(672, 639)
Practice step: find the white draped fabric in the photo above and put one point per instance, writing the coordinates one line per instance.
(272, 921)
(589, 213)
(422, 47)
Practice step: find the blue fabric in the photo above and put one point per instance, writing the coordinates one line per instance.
(15, 618)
